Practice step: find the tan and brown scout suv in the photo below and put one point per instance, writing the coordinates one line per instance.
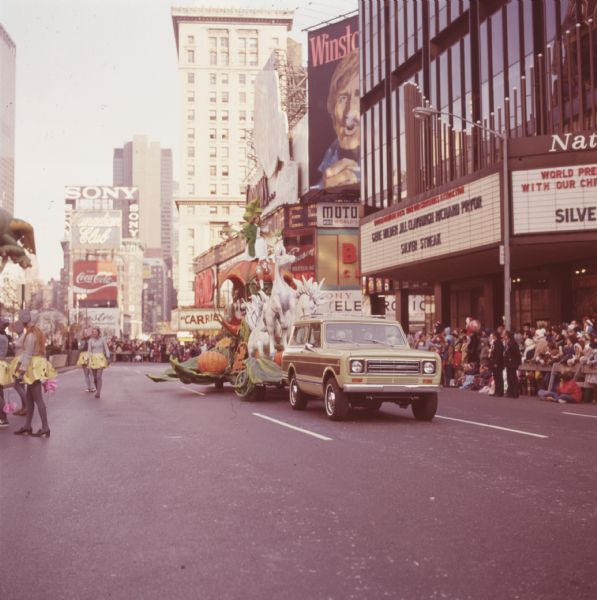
(358, 362)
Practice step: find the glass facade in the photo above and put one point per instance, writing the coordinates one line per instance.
(529, 67)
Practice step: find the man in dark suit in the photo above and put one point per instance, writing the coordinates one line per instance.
(496, 363)
(512, 361)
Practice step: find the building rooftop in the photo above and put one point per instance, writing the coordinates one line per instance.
(4, 35)
(231, 16)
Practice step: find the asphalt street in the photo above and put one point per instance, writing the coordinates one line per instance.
(166, 491)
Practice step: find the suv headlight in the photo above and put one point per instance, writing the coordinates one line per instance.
(357, 366)
(428, 367)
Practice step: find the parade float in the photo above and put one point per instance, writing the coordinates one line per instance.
(266, 300)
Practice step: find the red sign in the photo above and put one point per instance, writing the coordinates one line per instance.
(304, 265)
(97, 279)
(204, 289)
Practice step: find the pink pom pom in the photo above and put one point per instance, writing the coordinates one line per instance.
(50, 385)
(10, 407)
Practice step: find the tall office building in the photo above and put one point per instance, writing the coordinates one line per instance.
(7, 120)
(220, 51)
(480, 208)
(145, 165)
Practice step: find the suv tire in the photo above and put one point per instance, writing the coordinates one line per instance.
(336, 404)
(298, 399)
(425, 407)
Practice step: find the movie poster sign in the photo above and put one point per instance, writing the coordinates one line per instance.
(96, 278)
(334, 105)
(96, 229)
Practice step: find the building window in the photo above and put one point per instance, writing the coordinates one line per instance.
(242, 189)
(191, 151)
(191, 188)
(225, 210)
(190, 114)
(213, 79)
(190, 134)
(213, 190)
(225, 171)
(212, 170)
(242, 116)
(213, 58)
(212, 152)
(191, 234)
(224, 134)
(191, 250)
(190, 39)
(190, 210)
(191, 170)
(242, 97)
(212, 115)
(213, 97)
(224, 152)
(190, 95)
(225, 97)
(212, 134)
(190, 77)
(224, 115)
(213, 210)
(224, 189)
(243, 134)
(213, 43)
(191, 56)
(242, 78)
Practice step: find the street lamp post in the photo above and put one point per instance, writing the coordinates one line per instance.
(424, 112)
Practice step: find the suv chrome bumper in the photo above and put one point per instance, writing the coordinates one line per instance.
(377, 388)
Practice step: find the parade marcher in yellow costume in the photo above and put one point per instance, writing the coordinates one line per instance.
(5, 376)
(83, 362)
(99, 355)
(33, 369)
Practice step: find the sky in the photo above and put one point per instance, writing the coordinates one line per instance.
(90, 75)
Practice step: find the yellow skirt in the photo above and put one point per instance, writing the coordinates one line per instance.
(39, 369)
(83, 359)
(98, 361)
(5, 374)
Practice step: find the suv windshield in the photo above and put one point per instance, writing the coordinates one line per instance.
(364, 333)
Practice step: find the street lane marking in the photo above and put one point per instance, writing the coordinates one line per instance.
(316, 435)
(580, 415)
(184, 387)
(538, 435)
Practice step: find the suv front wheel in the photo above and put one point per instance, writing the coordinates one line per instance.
(425, 407)
(298, 399)
(336, 404)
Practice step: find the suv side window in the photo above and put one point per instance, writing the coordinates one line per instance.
(315, 335)
(299, 335)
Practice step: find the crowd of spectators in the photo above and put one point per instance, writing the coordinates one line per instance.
(159, 350)
(475, 358)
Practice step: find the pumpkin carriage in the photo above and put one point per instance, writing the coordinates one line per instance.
(266, 301)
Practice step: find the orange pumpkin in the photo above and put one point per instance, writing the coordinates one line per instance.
(212, 362)
(278, 358)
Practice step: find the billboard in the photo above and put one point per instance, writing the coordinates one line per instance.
(555, 199)
(338, 258)
(96, 229)
(334, 105)
(107, 320)
(197, 319)
(96, 278)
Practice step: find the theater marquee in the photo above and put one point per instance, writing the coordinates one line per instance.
(555, 199)
(463, 218)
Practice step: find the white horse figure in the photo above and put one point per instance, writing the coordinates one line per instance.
(259, 338)
(310, 297)
(278, 313)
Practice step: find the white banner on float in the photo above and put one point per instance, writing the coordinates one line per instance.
(463, 218)
(555, 199)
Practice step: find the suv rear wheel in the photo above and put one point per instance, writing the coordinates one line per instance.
(298, 399)
(425, 407)
(336, 404)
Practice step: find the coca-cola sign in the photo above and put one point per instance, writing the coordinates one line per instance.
(96, 229)
(97, 279)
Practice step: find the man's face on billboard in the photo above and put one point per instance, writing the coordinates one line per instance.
(347, 118)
